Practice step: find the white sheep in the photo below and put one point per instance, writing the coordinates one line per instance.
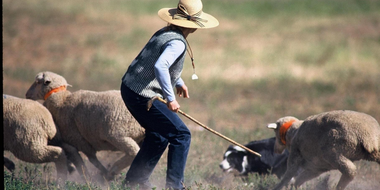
(31, 136)
(327, 141)
(91, 121)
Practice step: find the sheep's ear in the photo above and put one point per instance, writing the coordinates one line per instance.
(272, 126)
(47, 80)
(70, 85)
(39, 78)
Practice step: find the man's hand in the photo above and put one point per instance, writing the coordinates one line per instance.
(173, 105)
(183, 91)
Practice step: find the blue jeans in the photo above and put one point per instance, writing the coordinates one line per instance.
(162, 127)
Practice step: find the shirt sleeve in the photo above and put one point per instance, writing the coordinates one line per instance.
(179, 83)
(172, 51)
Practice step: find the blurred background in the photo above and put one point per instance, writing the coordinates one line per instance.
(267, 59)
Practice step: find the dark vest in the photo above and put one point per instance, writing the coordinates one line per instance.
(140, 76)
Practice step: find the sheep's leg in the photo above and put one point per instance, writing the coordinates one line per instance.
(49, 154)
(294, 162)
(61, 169)
(91, 155)
(130, 148)
(343, 164)
(70, 165)
(348, 170)
(60, 161)
(90, 152)
(289, 174)
(73, 156)
(375, 156)
(306, 175)
(9, 164)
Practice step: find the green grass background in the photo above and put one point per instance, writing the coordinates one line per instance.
(267, 59)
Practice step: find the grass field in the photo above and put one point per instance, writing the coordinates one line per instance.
(267, 59)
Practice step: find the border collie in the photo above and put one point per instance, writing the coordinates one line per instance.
(236, 158)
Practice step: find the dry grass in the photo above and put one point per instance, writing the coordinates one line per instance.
(257, 66)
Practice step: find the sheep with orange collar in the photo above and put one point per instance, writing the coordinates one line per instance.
(90, 121)
(326, 141)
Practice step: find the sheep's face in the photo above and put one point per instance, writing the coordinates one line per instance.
(279, 146)
(43, 84)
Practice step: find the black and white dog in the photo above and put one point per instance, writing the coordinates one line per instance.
(244, 162)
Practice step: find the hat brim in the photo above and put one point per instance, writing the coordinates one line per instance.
(166, 14)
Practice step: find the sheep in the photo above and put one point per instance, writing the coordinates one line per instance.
(31, 136)
(326, 141)
(90, 121)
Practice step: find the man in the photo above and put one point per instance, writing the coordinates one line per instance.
(155, 72)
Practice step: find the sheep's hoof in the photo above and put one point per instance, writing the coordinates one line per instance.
(71, 168)
(110, 176)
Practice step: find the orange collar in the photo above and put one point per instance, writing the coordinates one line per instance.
(61, 88)
(283, 129)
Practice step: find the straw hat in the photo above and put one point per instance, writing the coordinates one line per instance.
(188, 14)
